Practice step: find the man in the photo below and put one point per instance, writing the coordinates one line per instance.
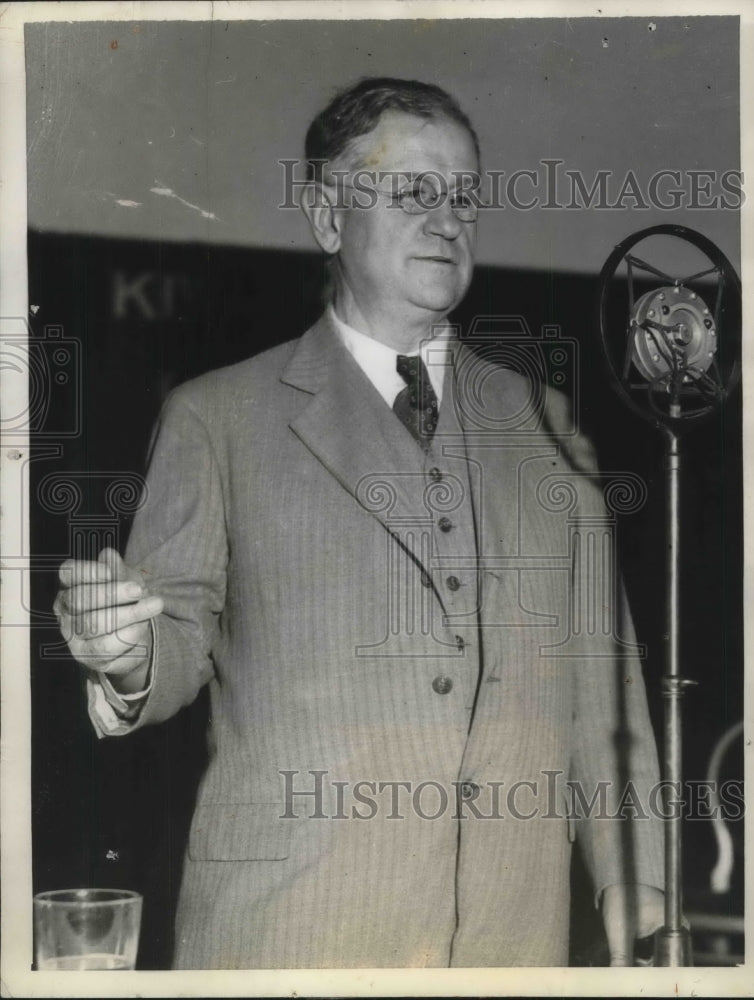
(332, 541)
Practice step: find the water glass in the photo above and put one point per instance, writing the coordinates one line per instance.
(86, 929)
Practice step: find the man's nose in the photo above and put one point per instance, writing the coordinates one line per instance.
(443, 221)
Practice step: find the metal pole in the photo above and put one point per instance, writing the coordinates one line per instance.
(672, 941)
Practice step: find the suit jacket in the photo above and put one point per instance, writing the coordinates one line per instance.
(408, 655)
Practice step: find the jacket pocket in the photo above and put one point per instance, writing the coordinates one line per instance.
(250, 831)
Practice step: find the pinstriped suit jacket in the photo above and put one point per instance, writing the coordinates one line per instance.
(364, 661)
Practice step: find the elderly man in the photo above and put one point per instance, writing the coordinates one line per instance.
(332, 540)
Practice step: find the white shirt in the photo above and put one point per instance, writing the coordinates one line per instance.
(378, 361)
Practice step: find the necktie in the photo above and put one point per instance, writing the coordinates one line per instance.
(416, 405)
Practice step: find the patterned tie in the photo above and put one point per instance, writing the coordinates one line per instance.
(416, 405)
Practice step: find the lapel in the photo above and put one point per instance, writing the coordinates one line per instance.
(485, 417)
(353, 433)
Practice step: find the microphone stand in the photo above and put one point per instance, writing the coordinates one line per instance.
(672, 946)
(665, 366)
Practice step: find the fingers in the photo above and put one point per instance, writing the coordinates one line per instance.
(621, 949)
(103, 610)
(83, 598)
(108, 566)
(98, 639)
(79, 572)
(649, 922)
(620, 959)
(114, 618)
(650, 911)
(111, 558)
(630, 911)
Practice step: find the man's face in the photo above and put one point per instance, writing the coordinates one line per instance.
(390, 261)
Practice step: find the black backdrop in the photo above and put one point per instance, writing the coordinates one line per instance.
(136, 318)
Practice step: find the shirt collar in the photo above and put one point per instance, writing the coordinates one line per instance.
(377, 360)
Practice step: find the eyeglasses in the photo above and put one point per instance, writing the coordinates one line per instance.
(424, 193)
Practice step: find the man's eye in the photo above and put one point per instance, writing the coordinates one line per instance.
(461, 199)
(422, 194)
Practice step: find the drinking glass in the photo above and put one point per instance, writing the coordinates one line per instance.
(84, 929)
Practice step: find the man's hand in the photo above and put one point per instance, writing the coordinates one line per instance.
(629, 912)
(103, 611)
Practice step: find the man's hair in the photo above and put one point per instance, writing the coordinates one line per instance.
(356, 110)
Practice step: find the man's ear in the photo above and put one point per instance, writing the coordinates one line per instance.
(324, 219)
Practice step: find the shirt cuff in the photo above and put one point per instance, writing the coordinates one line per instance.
(600, 891)
(111, 712)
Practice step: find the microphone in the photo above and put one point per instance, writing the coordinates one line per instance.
(674, 336)
(672, 349)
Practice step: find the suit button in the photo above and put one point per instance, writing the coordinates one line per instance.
(442, 685)
(469, 790)
(445, 524)
(453, 583)
(425, 578)
(434, 474)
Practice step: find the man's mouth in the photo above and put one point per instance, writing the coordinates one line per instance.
(436, 258)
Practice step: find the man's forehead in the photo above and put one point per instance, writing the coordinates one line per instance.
(412, 144)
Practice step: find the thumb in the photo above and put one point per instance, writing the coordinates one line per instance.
(111, 558)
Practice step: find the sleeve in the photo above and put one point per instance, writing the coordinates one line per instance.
(614, 780)
(111, 712)
(179, 544)
(615, 767)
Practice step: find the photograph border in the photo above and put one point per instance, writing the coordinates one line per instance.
(16, 975)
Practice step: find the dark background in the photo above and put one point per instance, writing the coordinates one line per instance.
(146, 315)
